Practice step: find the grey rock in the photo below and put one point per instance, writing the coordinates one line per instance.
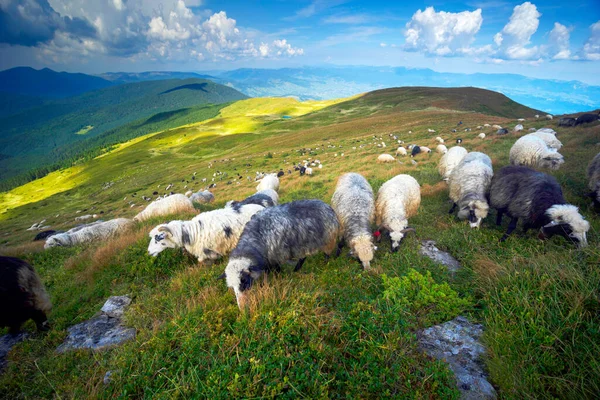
(6, 344)
(428, 249)
(96, 334)
(457, 343)
(115, 306)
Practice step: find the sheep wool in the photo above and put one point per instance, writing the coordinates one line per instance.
(551, 141)
(593, 174)
(469, 185)
(385, 158)
(481, 135)
(450, 160)
(265, 198)
(270, 181)
(532, 151)
(289, 231)
(89, 233)
(401, 151)
(202, 197)
(208, 236)
(397, 200)
(354, 204)
(425, 149)
(173, 204)
(441, 149)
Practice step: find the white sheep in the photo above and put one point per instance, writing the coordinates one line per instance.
(308, 171)
(450, 160)
(270, 181)
(208, 236)
(202, 197)
(481, 135)
(441, 149)
(518, 128)
(430, 130)
(439, 139)
(188, 193)
(385, 158)
(401, 151)
(486, 125)
(397, 200)
(547, 130)
(496, 127)
(549, 117)
(536, 116)
(89, 233)
(469, 186)
(548, 138)
(425, 149)
(532, 151)
(173, 204)
(354, 205)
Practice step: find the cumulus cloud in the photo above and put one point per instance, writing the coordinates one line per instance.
(591, 48)
(443, 33)
(514, 39)
(559, 42)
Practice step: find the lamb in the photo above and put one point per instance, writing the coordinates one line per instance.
(265, 198)
(450, 160)
(202, 197)
(22, 296)
(289, 231)
(481, 135)
(385, 158)
(441, 149)
(397, 200)
(469, 186)
(593, 173)
(537, 199)
(270, 181)
(208, 236)
(551, 141)
(173, 204)
(354, 205)
(532, 151)
(401, 151)
(100, 230)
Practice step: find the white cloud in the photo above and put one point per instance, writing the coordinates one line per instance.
(559, 42)
(383, 44)
(443, 33)
(591, 48)
(514, 38)
(353, 19)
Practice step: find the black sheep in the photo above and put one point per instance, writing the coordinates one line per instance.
(415, 150)
(586, 119)
(567, 122)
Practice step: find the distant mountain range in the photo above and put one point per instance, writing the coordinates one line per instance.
(128, 77)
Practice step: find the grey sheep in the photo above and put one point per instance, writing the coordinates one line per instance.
(289, 231)
(265, 198)
(593, 173)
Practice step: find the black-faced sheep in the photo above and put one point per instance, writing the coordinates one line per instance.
(208, 236)
(22, 296)
(290, 231)
(469, 185)
(535, 198)
(354, 204)
(89, 233)
(173, 204)
(530, 150)
(593, 174)
(450, 160)
(270, 181)
(397, 200)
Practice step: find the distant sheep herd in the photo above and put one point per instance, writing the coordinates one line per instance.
(261, 235)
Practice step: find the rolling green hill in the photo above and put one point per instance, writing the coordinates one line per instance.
(330, 330)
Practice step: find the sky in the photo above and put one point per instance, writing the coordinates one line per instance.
(541, 39)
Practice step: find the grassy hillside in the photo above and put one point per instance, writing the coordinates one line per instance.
(328, 330)
(43, 135)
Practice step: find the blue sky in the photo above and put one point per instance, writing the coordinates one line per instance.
(542, 39)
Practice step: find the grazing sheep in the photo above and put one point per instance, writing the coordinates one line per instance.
(265, 198)
(439, 139)
(401, 151)
(425, 149)
(270, 181)
(458, 141)
(593, 174)
(354, 205)
(430, 131)
(521, 119)
(481, 135)
(502, 131)
(551, 141)
(309, 171)
(532, 151)
(450, 160)
(88, 233)
(22, 296)
(518, 128)
(202, 197)
(547, 130)
(469, 185)
(549, 117)
(397, 200)
(440, 148)
(496, 127)
(187, 194)
(415, 150)
(537, 199)
(208, 236)
(385, 158)
(45, 234)
(586, 118)
(289, 231)
(536, 116)
(567, 122)
(173, 204)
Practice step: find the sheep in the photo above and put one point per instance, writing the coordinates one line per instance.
(45, 234)
(397, 200)
(265, 198)
(469, 185)
(481, 135)
(439, 139)
(496, 127)
(309, 171)
(430, 130)
(537, 199)
(202, 197)
(22, 296)
(547, 130)
(567, 122)
(551, 141)
(502, 131)
(173, 204)
(458, 141)
(415, 150)
(536, 116)
(289, 231)
(593, 174)
(100, 230)
(521, 119)
(549, 117)
(354, 205)
(425, 149)
(187, 194)
(208, 236)
(270, 181)
(401, 151)
(440, 148)
(450, 160)
(587, 118)
(518, 128)
(385, 158)
(532, 151)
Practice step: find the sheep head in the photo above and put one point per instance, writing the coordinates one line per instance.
(161, 238)
(566, 221)
(475, 211)
(552, 161)
(363, 248)
(397, 236)
(240, 274)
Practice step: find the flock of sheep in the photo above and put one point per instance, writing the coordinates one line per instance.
(261, 235)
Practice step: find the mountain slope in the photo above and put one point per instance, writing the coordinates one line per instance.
(129, 77)
(48, 83)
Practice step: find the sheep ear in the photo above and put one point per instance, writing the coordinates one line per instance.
(166, 231)
(552, 223)
(222, 276)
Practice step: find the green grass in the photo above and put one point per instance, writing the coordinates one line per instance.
(330, 330)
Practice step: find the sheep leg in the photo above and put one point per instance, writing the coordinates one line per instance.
(41, 321)
(499, 217)
(299, 264)
(511, 227)
(526, 227)
(339, 247)
(452, 209)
